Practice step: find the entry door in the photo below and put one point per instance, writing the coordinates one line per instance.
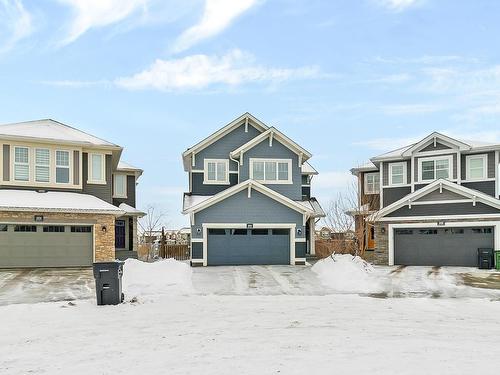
(120, 234)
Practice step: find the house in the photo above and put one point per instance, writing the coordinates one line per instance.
(66, 198)
(249, 198)
(438, 201)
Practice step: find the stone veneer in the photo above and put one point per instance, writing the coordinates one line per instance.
(104, 241)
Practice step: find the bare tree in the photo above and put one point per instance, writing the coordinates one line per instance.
(150, 225)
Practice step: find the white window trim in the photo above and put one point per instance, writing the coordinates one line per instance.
(103, 166)
(434, 158)
(272, 182)
(366, 190)
(206, 181)
(114, 186)
(485, 167)
(14, 163)
(42, 165)
(405, 175)
(70, 170)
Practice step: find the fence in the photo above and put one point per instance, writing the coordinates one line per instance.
(325, 248)
(179, 252)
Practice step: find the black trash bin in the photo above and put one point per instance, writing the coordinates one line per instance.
(485, 258)
(108, 282)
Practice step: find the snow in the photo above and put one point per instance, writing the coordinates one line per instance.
(131, 210)
(347, 274)
(124, 166)
(194, 200)
(308, 169)
(53, 130)
(54, 201)
(167, 276)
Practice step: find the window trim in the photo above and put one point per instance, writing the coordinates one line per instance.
(206, 181)
(289, 162)
(435, 158)
(365, 182)
(42, 165)
(90, 180)
(63, 166)
(484, 157)
(405, 173)
(125, 194)
(14, 163)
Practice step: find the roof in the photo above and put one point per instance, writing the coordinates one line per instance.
(366, 167)
(54, 201)
(462, 144)
(244, 118)
(315, 206)
(199, 204)
(272, 133)
(126, 167)
(131, 211)
(48, 129)
(472, 194)
(308, 169)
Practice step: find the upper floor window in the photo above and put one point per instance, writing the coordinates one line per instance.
(397, 174)
(271, 171)
(21, 164)
(97, 168)
(372, 183)
(434, 168)
(216, 171)
(62, 167)
(42, 165)
(120, 186)
(477, 167)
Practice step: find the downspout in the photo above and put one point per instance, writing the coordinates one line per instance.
(238, 164)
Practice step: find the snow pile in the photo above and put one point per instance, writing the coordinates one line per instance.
(167, 276)
(347, 274)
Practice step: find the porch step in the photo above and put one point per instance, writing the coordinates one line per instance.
(125, 254)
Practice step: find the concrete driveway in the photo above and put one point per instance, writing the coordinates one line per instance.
(45, 285)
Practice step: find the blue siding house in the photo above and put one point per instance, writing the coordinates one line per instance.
(249, 198)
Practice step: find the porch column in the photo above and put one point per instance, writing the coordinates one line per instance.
(312, 237)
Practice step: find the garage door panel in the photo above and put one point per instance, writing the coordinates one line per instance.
(45, 249)
(239, 247)
(441, 246)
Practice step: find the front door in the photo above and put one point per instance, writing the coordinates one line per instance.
(120, 234)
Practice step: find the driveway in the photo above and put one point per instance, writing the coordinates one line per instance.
(46, 285)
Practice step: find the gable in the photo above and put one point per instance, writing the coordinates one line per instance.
(435, 147)
(436, 141)
(444, 210)
(443, 195)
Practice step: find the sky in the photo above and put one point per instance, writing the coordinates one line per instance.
(345, 79)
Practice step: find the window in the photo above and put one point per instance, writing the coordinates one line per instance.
(397, 174)
(404, 231)
(3, 227)
(97, 169)
(435, 168)
(239, 232)
(477, 167)
(53, 228)
(277, 171)
(120, 186)
(280, 232)
(25, 228)
(482, 230)
(260, 232)
(216, 172)
(21, 164)
(80, 229)
(217, 232)
(428, 231)
(62, 167)
(372, 183)
(454, 231)
(42, 165)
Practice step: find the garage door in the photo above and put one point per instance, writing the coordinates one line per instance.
(242, 246)
(45, 245)
(440, 246)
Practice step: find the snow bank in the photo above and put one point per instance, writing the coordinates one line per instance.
(167, 276)
(347, 274)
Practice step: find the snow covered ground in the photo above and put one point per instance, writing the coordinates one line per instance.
(255, 320)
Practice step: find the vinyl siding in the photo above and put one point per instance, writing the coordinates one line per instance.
(76, 167)
(238, 208)
(444, 209)
(131, 197)
(394, 194)
(439, 146)
(487, 187)
(199, 188)
(300, 249)
(386, 171)
(6, 162)
(446, 195)
(276, 151)
(197, 250)
(103, 191)
(491, 164)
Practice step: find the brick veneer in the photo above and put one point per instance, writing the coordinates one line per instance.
(104, 245)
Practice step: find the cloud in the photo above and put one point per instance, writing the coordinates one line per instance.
(216, 17)
(333, 180)
(411, 109)
(398, 5)
(74, 84)
(200, 71)
(16, 23)
(388, 144)
(89, 14)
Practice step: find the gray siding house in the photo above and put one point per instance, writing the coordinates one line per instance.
(66, 198)
(249, 197)
(439, 201)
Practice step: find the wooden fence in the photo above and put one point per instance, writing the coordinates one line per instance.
(325, 248)
(179, 252)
